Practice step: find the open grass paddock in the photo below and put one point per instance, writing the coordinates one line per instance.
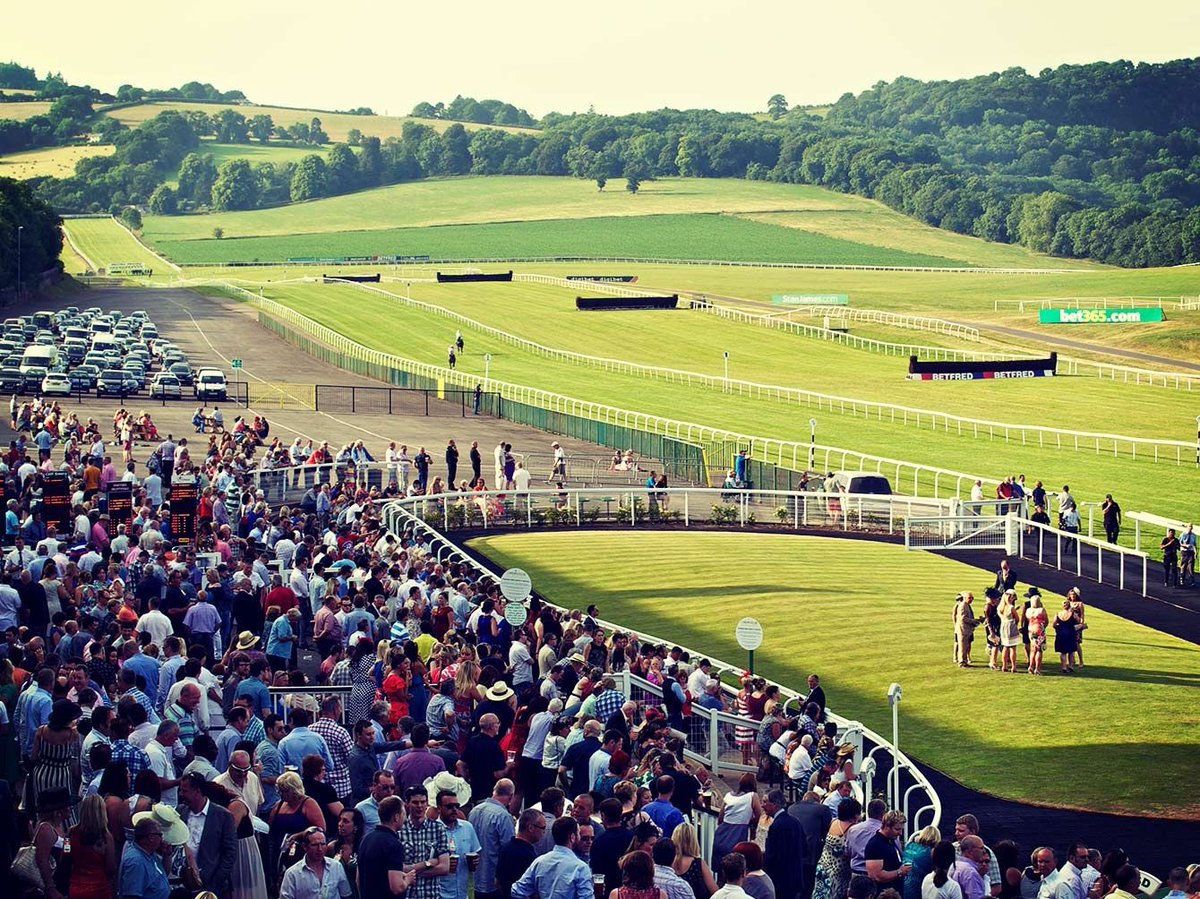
(1114, 737)
(104, 242)
(337, 125)
(53, 162)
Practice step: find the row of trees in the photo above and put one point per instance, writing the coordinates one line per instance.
(1074, 188)
(480, 112)
(193, 91)
(39, 240)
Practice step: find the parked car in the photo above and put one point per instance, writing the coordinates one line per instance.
(166, 386)
(115, 382)
(183, 372)
(83, 377)
(33, 378)
(56, 384)
(11, 380)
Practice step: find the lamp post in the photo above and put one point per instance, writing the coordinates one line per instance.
(812, 444)
(487, 367)
(1198, 439)
(20, 231)
(895, 694)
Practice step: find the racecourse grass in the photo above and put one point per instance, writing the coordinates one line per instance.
(53, 162)
(104, 242)
(826, 606)
(701, 236)
(388, 325)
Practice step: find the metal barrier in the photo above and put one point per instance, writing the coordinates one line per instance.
(682, 506)
(908, 787)
(1094, 559)
(970, 532)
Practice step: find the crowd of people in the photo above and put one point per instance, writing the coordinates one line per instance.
(303, 704)
(1010, 624)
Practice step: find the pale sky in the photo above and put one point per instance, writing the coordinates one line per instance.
(619, 56)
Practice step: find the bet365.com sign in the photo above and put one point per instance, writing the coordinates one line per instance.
(1099, 316)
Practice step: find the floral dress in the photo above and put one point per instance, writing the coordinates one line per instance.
(833, 870)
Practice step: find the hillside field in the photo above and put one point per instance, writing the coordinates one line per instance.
(336, 125)
(792, 212)
(54, 162)
(901, 633)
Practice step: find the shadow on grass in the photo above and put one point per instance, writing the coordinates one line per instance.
(1139, 676)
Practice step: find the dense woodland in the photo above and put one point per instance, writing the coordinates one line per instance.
(1097, 161)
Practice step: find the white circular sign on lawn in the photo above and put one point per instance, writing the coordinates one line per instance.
(515, 585)
(516, 614)
(749, 634)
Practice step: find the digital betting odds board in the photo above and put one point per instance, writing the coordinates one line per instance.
(56, 500)
(120, 506)
(184, 496)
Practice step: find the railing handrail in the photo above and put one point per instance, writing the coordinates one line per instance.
(899, 758)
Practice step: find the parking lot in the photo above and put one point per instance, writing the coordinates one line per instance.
(212, 331)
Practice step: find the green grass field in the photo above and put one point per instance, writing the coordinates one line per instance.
(708, 236)
(336, 125)
(276, 154)
(55, 162)
(104, 242)
(787, 208)
(695, 341)
(1006, 734)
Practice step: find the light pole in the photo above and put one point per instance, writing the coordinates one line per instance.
(487, 367)
(812, 444)
(894, 696)
(20, 231)
(1197, 438)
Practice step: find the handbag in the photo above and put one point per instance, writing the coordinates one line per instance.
(26, 868)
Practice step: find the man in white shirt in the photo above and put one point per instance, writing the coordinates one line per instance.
(733, 872)
(10, 605)
(155, 623)
(1069, 884)
(521, 478)
(698, 680)
(21, 555)
(160, 750)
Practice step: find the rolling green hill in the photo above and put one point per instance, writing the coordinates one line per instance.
(789, 223)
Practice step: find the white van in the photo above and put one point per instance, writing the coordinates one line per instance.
(211, 384)
(39, 356)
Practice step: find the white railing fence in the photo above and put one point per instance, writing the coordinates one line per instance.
(909, 477)
(1151, 449)
(911, 790)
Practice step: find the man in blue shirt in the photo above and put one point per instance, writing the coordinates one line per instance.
(661, 811)
(464, 846)
(144, 666)
(255, 686)
(33, 708)
(302, 741)
(142, 873)
(560, 873)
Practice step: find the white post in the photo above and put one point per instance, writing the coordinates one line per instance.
(812, 444)
(487, 367)
(895, 694)
(727, 384)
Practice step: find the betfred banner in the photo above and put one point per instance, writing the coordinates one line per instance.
(1099, 316)
(984, 370)
(810, 299)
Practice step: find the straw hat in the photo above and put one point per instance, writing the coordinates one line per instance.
(444, 780)
(174, 830)
(246, 640)
(499, 692)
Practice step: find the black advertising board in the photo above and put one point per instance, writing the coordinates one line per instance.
(985, 370)
(120, 506)
(56, 501)
(183, 511)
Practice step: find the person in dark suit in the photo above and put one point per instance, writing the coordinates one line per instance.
(816, 693)
(214, 841)
(1006, 578)
(622, 721)
(782, 860)
(814, 817)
